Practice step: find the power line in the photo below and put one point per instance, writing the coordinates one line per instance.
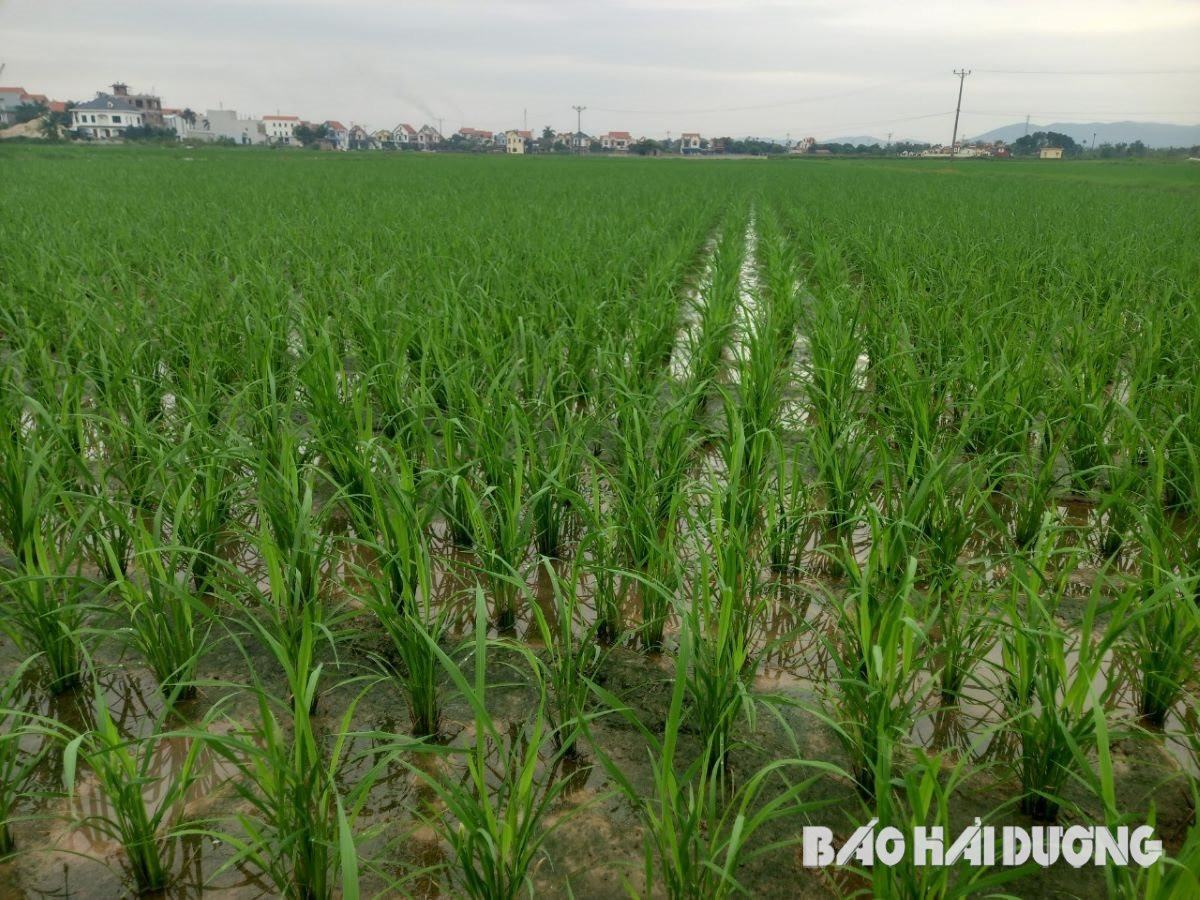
(750, 108)
(1088, 72)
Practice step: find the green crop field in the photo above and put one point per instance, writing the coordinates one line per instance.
(422, 525)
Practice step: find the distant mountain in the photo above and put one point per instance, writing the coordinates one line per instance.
(1152, 134)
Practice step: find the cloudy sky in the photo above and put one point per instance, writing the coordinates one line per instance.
(826, 68)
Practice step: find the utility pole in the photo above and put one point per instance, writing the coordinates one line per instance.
(889, 143)
(525, 119)
(962, 75)
(1027, 124)
(440, 120)
(1093, 140)
(578, 127)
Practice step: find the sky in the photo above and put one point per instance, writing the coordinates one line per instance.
(820, 68)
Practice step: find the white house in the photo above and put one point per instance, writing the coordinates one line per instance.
(689, 142)
(218, 124)
(280, 129)
(337, 134)
(428, 137)
(515, 141)
(105, 117)
(404, 135)
(616, 140)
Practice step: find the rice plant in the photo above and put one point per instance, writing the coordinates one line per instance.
(166, 622)
(496, 831)
(45, 607)
(1051, 673)
(18, 762)
(876, 650)
(570, 661)
(298, 825)
(124, 768)
(698, 831)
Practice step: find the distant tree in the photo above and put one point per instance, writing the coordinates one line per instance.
(645, 147)
(310, 135)
(547, 136)
(49, 128)
(1032, 144)
(188, 117)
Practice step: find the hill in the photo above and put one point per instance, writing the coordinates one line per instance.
(1152, 134)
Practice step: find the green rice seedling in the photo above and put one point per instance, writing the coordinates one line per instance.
(392, 517)
(294, 547)
(1050, 697)
(553, 473)
(1087, 376)
(1164, 632)
(789, 513)
(26, 473)
(417, 669)
(952, 515)
(299, 828)
(719, 300)
(923, 797)
(341, 414)
(167, 623)
(124, 770)
(720, 680)
(698, 829)
(648, 479)
(45, 610)
(845, 473)
(201, 501)
(990, 393)
(600, 552)
(569, 662)
(961, 636)
(1033, 484)
(876, 650)
(1116, 514)
(496, 831)
(830, 377)
(459, 485)
(17, 763)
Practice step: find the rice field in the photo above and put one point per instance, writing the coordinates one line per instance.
(482, 527)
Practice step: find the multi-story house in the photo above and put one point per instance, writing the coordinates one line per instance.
(404, 135)
(428, 137)
(618, 141)
(516, 141)
(105, 117)
(281, 129)
(337, 134)
(149, 105)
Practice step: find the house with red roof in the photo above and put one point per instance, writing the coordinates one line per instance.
(404, 135)
(476, 135)
(337, 134)
(11, 98)
(618, 141)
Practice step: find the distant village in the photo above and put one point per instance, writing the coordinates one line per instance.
(119, 114)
